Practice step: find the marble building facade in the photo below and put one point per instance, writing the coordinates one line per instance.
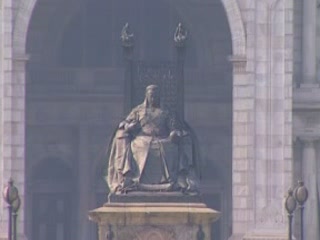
(251, 94)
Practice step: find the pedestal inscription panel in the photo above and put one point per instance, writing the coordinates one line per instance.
(154, 221)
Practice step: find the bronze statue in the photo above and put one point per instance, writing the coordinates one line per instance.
(151, 151)
(126, 37)
(180, 35)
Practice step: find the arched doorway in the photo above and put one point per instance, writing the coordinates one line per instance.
(203, 58)
(52, 188)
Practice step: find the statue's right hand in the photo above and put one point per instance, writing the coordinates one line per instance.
(122, 124)
(131, 126)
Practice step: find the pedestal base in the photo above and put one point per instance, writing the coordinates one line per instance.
(266, 236)
(4, 236)
(154, 221)
(155, 197)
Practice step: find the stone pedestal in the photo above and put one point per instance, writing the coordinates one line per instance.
(154, 221)
(266, 236)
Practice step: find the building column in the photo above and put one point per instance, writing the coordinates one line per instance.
(243, 112)
(309, 44)
(309, 176)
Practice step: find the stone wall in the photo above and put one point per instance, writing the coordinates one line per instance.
(297, 42)
(12, 109)
(267, 154)
(265, 41)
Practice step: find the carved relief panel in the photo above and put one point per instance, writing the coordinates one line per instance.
(154, 232)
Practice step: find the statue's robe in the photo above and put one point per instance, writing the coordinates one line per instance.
(145, 158)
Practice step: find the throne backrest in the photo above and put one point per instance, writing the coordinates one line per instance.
(167, 76)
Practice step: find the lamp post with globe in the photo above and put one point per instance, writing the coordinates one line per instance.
(15, 208)
(301, 196)
(11, 197)
(290, 205)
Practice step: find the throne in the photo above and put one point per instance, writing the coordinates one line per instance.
(167, 75)
(154, 215)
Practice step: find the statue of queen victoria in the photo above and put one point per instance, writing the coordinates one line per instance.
(152, 151)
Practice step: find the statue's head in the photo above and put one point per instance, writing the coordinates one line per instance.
(153, 96)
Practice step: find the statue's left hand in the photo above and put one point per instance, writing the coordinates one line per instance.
(122, 124)
(134, 125)
(174, 136)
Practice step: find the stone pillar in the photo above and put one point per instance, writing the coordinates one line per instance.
(84, 177)
(309, 176)
(309, 43)
(270, 170)
(243, 112)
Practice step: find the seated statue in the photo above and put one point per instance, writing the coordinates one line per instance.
(151, 151)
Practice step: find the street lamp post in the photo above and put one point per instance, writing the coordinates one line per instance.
(11, 196)
(290, 205)
(15, 208)
(301, 196)
(298, 196)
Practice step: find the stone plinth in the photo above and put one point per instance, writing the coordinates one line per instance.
(265, 236)
(154, 221)
(155, 197)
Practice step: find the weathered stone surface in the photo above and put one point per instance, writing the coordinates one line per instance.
(154, 197)
(154, 221)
